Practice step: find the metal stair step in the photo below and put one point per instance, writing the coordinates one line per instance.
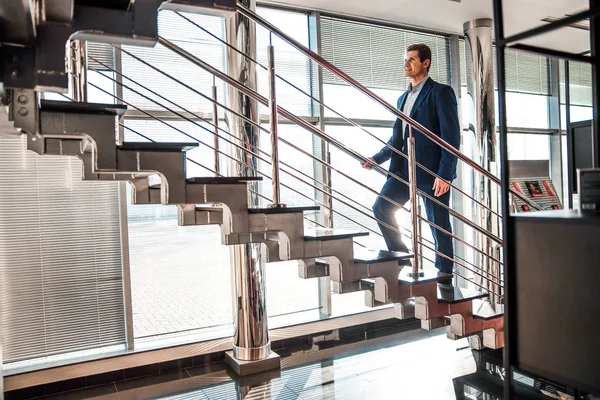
(223, 180)
(158, 147)
(323, 234)
(82, 108)
(429, 275)
(282, 210)
(366, 256)
(485, 311)
(454, 295)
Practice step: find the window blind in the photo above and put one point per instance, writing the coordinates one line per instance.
(290, 64)
(374, 54)
(189, 37)
(580, 79)
(61, 283)
(103, 52)
(525, 73)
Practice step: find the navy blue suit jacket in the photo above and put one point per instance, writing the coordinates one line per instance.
(437, 110)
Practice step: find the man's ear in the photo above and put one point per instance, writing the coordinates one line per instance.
(426, 64)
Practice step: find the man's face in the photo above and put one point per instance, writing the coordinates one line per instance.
(413, 65)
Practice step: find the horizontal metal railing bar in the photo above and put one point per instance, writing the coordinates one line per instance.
(458, 263)
(345, 119)
(240, 147)
(431, 224)
(299, 121)
(345, 203)
(399, 114)
(177, 113)
(265, 175)
(210, 99)
(462, 218)
(553, 53)
(464, 277)
(560, 23)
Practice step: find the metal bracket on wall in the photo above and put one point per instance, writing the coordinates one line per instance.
(24, 110)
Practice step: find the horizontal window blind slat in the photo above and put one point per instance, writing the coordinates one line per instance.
(374, 55)
(60, 277)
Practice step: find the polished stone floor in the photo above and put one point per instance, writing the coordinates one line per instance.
(411, 365)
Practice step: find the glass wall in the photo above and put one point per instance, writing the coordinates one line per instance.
(180, 276)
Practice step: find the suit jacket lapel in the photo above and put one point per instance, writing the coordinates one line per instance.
(422, 94)
(402, 101)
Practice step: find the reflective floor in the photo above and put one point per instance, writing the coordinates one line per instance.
(411, 365)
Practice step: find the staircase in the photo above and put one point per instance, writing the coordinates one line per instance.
(93, 132)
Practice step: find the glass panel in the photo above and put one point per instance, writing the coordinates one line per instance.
(528, 147)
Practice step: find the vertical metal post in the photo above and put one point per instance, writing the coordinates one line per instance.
(458, 200)
(126, 267)
(125, 259)
(119, 85)
(321, 150)
(556, 164)
(595, 53)
(419, 234)
(510, 297)
(570, 182)
(251, 333)
(273, 127)
(77, 67)
(217, 166)
(414, 201)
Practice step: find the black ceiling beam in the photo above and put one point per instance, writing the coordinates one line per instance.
(553, 53)
(571, 19)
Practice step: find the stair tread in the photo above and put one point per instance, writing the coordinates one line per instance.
(158, 147)
(331, 234)
(494, 386)
(282, 210)
(483, 309)
(429, 276)
(82, 108)
(223, 180)
(366, 256)
(454, 295)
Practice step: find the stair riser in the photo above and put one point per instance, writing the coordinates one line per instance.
(309, 268)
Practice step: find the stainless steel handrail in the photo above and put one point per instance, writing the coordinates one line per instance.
(260, 172)
(234, 144)
(352, 82)
(286, 171)
(292, 117)
(240, 147)
(346, 119)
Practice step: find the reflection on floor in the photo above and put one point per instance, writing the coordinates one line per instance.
(411, 365)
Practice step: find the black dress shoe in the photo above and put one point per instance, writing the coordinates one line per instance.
(445, 279)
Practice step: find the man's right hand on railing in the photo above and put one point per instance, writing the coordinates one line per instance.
(367, 164)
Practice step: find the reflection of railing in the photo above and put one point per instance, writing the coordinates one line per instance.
(493, 282)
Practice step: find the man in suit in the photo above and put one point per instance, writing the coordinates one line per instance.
(434, 106)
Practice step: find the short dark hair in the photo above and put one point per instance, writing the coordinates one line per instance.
(423, 50)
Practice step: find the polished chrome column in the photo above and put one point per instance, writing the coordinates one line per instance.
(480, 85)
(77, 68)
(251, 334)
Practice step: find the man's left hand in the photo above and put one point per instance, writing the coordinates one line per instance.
(440, 187)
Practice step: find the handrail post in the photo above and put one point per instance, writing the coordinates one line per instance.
(414, 201)
(77, 68)
(216, 126)
(273, 122)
